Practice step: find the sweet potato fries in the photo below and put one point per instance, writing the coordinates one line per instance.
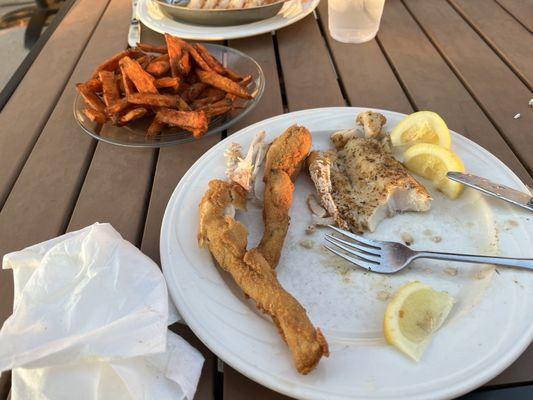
(180, 85)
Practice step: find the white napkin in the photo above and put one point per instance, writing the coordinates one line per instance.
(90, 321)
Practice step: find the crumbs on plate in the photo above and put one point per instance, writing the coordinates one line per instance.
(307, 244)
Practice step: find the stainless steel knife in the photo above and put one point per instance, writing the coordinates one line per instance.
(503, 192)
(134, 33)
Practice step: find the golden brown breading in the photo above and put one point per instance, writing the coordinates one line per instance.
(283, 162)
(277, 204)
(288, 152)
(227, 240)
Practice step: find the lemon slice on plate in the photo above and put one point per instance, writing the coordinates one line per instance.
(433, 162)
(413, 315)
(421, 127)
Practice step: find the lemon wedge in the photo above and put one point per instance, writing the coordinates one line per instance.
(412, 317)
(421, 127)
(433, 162)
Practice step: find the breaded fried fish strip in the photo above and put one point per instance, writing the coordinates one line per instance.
(283, 163)
(227, 240)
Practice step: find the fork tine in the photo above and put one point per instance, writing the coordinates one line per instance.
(359, 246)
(350, 250)
(356, 262)
(361, 239)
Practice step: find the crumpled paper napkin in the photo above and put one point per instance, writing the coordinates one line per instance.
(90, 321)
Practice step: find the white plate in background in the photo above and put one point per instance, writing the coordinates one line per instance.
(150, 15)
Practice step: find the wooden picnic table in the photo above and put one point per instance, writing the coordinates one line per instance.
(468, 60)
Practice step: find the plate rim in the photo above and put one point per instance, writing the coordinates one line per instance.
(232, 31)
(257, 375)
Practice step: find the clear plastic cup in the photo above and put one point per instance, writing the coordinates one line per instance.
(354, 21)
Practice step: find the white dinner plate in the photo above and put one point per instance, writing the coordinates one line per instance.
(150, 15)
(488, 328)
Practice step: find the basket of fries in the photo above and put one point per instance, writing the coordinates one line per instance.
(152, 96)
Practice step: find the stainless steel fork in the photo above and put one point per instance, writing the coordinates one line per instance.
(390, 257)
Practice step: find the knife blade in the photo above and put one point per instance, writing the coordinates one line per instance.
(500, 191)
(134, 32)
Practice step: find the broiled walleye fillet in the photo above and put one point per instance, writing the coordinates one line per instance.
(283, 162)
(367, 183)
(227, 240)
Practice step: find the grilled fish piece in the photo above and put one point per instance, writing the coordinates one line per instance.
(365, 183)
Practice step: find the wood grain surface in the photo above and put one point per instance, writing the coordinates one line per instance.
(468, 60)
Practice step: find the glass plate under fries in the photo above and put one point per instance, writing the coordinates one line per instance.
(134, 134)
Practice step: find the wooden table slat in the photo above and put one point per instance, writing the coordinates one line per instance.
(42, 199)
(172, 164)
(522, 10)
(511, 40)
(495, 87)
(366, 75)
(23, 117)
(239, 387)
(116, 190)
(118, 183)
(423, 71)
(308, 75)
(261, 49)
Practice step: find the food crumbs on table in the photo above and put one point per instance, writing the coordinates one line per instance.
(310, 229)
(436, 239)
(383, 295)
(518, 283)
(482, 274)
(427, 232)
(451, 271)
(511, 224)
(518, 115)
(307, 244)
(407, 239)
